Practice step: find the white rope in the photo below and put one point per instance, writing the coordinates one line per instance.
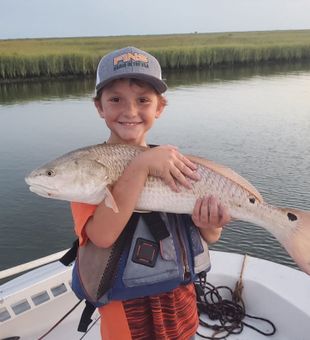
(32, 264)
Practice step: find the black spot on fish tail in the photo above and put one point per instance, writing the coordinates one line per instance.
(252, 200)
(291, 217)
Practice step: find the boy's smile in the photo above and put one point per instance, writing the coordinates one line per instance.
(129, 109)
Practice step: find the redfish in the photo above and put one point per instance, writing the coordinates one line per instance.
(84, 175)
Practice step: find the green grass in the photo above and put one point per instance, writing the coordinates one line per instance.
(29, 58)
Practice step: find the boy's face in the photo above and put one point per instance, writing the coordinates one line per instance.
(129, 110)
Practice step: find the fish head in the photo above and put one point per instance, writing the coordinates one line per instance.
(72, 179)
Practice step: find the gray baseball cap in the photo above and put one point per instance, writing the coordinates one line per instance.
(129, 62)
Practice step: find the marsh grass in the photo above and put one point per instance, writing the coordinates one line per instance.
(29, 58)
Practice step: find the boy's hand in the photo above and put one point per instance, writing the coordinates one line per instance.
(209, 213)
(170, 165)
(210, 216)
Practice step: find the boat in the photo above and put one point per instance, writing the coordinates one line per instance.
(32, 305)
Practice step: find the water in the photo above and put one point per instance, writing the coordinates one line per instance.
(255, 120)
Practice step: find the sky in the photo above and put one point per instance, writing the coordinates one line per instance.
(75, 18)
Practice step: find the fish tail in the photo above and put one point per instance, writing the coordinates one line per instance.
(298, 242)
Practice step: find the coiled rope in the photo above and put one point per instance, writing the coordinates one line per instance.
(228, 312)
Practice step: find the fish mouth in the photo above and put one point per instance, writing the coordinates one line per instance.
(27, 180)
(42, 190)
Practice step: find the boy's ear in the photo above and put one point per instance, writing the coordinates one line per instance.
(160, 109)
(99, 108)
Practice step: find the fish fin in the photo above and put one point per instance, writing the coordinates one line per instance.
(110, 202)
(297, 240)
(229, 173)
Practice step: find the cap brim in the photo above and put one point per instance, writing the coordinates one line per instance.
(158, 84)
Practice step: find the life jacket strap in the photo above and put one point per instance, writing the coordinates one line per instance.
(86, 317)
(156, 225)
(70, 255)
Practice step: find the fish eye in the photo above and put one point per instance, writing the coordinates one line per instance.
(50, 173)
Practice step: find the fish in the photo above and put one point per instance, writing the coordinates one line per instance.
(86, 174)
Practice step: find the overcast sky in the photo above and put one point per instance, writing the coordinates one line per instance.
(70, 18)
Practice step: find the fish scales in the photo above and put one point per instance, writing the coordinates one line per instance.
(156, 192)
(85, 175)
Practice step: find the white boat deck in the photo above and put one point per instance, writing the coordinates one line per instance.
(32, 303)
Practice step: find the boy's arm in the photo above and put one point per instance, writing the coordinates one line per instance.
(210, 216)
(104, 227)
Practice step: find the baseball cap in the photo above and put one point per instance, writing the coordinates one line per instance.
(129, 62)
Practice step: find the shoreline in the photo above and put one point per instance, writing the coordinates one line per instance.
(26, 59)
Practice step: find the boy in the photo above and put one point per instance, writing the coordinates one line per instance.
(129, 98)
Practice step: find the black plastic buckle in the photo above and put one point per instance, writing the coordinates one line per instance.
(145, 252)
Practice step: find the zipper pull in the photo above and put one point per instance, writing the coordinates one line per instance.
(187, 273)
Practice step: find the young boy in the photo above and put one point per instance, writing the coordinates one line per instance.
(129, 98)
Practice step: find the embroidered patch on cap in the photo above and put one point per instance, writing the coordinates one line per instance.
(130, 59)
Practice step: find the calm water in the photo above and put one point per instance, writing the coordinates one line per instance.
(255, 120)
